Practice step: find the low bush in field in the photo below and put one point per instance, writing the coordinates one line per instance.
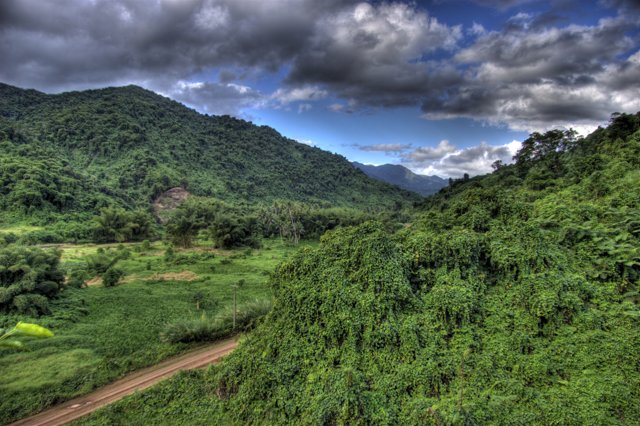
(208, 329)
(173, 258)
(112, 277)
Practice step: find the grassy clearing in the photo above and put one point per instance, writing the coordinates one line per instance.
(19, 229)
(102, 333)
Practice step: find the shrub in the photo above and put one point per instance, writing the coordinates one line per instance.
(112, 277)
(206, 329)
(228, 232)
(98, 264)
(41, 237)
(28, 278)
(78, 278)
(8, 238)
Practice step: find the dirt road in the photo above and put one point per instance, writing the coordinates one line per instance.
(138, 380)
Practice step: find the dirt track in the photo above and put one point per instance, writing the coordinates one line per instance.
(138, 380)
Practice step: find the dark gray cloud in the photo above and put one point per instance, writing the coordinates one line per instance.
(534, 74)
(624, 6)
(373, 54)
(75, 43)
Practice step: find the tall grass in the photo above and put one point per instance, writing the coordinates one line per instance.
(206, 329)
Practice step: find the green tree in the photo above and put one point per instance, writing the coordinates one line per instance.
(28, 278)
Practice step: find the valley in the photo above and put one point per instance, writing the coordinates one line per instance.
(510, 297)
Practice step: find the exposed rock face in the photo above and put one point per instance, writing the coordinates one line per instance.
(169, 201)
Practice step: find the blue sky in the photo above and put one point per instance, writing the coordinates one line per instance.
(443, 87)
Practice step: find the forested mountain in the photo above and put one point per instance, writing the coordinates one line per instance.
(75, 151)
(398, 175)
(512, 299)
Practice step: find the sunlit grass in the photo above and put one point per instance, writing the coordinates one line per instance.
(19, 229)
(102, 333)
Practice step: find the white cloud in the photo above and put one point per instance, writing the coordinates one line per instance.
(296, 94)
(215, 98)
(574, 76)
(449, 161)
(427, 153)
(476, 29)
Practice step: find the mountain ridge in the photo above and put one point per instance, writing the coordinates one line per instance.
(401, 176)
(137, 144)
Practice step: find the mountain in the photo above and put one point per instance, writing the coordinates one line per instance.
(77, 151)
(398, 175)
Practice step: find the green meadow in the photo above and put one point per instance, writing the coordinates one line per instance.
(102, 333)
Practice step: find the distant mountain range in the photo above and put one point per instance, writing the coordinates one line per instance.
(398, 175)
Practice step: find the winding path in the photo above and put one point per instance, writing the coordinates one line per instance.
(142, 379)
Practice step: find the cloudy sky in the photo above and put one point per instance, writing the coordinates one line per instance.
(442, 86)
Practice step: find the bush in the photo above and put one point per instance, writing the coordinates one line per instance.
(169, 254)
(77, 278)
(8, 238)
(28, 278)
(31, 304)
(98, 264)
(118, 225)
(189, 258)
(112, 277)
(41, 237)
(205, 329)
(228, 232)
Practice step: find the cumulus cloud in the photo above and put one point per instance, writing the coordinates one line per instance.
(306, 93)
(393, 148)
(448, 161)
(154, 43)
(531, 75)
(373, 54)
(536, 80)
(427, 153)
(214, 98)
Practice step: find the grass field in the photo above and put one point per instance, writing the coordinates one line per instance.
(102, 333)
(18, 229)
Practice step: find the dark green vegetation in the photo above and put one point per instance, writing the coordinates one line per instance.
(101, 333)
(398, 175)
(511, 299)
(64, 157)
(29, 277)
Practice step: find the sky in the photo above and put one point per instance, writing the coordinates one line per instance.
(443, 87)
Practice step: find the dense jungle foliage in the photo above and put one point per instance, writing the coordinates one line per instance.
(63, 157)
(512, 299)
(29, 277)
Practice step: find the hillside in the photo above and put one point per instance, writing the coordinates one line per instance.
(398, 175)
(511, 299)
(126, 145)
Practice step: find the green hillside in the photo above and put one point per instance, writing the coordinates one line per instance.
(78, 151)
(512, 299)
